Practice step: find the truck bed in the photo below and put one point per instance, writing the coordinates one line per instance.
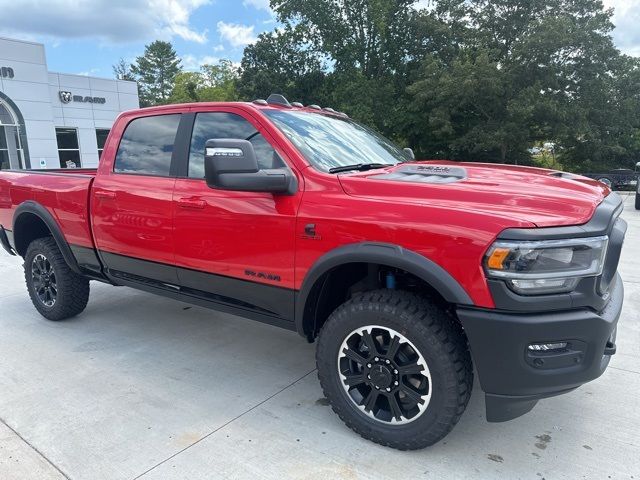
(63, 192)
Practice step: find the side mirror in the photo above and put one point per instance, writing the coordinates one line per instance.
(409, 153)
(231, 164)
(638, 166)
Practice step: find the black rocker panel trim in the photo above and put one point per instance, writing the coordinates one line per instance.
(252, 298)
(207, 301)
(267, 298)
(87, 259)
(120, 265)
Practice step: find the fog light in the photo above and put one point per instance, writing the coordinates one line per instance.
(545, 347)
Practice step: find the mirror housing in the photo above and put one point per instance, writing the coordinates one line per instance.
(231, 164)
(409, 153)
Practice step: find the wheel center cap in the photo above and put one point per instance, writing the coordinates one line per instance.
(381, 376)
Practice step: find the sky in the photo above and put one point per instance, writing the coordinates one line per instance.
(88, 36)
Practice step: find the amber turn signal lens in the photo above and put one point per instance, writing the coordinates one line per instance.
(497, 257)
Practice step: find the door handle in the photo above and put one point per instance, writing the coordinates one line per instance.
(192, 203)
(105, 195)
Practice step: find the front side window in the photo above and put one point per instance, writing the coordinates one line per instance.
(329, 142)
(147, 145)
(68, 147)
(101, 139)
(217, 125)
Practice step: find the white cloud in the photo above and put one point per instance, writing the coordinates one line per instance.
(90, 72)
(113, 21)
(237, 35)
(626, 18)
(259, 4)
(192, 63)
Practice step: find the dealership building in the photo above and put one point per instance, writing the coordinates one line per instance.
(54, 120)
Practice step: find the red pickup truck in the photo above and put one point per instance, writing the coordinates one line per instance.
(407, 274)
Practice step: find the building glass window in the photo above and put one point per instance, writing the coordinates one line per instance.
(11, 151)
(101, 138)
(68, 147)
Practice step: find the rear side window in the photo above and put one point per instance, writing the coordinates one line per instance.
(211, 125)
(146, 146)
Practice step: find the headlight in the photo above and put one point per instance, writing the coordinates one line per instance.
(549, 266)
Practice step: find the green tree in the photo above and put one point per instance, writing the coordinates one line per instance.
(213, 83)
(284, 62)
(122, 70)
(155, 72)
(523, 72)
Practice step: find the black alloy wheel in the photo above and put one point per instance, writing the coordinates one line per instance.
(44, 280)
(384, 374)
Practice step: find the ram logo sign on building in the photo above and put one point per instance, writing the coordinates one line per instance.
(67, 97)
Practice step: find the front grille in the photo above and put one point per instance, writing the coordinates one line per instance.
(616, 239)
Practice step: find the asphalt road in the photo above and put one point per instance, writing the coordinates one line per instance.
(140, 386)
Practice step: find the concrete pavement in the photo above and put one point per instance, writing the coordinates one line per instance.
(142, 387)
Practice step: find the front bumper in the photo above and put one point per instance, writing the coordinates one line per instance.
(515, 378)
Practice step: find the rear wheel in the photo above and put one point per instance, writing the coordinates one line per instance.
(56, 291)
(638, 197)
(395, 368)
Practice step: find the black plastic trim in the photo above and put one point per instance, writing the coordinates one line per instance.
(243, 295)
(382, 254)
(601, 223)
(269, 299)
(206, 301)
(499, 340)
(118, 266)
(4, 241)
(182, 146)
(31, 207)
(87, 259)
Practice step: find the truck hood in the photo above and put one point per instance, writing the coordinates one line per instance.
(526, 195)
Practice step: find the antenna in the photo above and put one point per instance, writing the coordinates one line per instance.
(277, 99)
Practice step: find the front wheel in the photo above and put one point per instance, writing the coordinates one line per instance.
(56, 291)
(638, 198)
(395, 368)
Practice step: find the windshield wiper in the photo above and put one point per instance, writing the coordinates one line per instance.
(361, 167)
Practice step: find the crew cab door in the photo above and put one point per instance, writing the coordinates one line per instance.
(132, 200)
(235, 247)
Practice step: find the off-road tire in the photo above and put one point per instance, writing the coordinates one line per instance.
(439, 340)
(72, 288)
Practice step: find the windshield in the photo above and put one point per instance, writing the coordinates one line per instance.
(329, 142)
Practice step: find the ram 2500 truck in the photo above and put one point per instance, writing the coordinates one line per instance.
(407, 274)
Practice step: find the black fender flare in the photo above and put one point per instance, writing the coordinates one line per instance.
(386, 254)
(34, 208)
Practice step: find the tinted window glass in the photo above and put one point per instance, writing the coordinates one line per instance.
(147, 144)
(67, 138)
(227, 125)
(101, 138)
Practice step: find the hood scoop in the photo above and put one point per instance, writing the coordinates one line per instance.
(417, 173)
